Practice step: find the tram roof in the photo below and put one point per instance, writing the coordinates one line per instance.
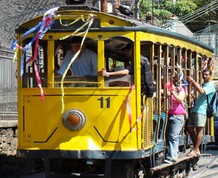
(131, 24)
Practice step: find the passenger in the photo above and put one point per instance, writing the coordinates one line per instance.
(86, 62)
(146, 75)
(147, 86)
(117, 71)
(176, 115)
(120, 71)
(197, 119)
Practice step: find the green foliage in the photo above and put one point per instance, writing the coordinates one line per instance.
(182, 7)
(164, 10)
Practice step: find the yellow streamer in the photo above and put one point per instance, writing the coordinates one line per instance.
(67, 25)
(15, 55)
(89, 22)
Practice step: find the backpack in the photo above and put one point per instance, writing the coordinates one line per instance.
(147, 86)
(212, 106)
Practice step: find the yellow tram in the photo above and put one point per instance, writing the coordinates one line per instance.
(96, 125)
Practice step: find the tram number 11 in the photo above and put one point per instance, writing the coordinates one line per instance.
(103, 100)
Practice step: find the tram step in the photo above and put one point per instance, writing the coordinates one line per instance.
(165, 165)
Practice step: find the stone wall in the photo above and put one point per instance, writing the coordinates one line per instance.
(11, 165)
(8, 141)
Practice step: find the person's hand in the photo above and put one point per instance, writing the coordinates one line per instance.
(170, 86)
(102, 72)
(189, 79)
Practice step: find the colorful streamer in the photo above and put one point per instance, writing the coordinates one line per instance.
(128, 108)
(40, 29)
(181, 76)
(89, 23)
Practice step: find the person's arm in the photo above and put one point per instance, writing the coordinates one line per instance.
(180, 96)
(195, 84)
(104, 72)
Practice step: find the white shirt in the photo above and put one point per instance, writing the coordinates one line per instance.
(84, 65)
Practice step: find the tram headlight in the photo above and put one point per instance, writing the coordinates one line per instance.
(74, 119)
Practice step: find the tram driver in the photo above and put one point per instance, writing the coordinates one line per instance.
(86, 62)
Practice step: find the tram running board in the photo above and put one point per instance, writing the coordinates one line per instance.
(180, 160)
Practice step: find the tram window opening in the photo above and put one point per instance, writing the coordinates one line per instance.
(113, 65)
(59, 56)
(83, 70)
(29, 78)
(118, 63)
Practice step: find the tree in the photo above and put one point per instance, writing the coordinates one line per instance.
(162, 11)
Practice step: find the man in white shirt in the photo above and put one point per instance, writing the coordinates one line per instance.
(85, 64)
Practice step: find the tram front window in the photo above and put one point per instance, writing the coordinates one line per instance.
(81, 61)
(34, 70)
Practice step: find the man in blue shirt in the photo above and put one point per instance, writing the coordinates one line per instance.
(198, 118)
(86, 62)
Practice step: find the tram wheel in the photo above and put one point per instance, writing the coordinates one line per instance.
(126, 170)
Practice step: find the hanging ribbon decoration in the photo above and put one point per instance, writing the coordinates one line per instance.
(89, 23)
(69, 24)
(205, 64)
(129, 111)
(39, 30)
(181, 77)
(128, 108)
(183, 59)
(212, 65)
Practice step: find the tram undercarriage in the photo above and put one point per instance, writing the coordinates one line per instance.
(118, 168)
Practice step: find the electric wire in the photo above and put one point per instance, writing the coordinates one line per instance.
(199, 12)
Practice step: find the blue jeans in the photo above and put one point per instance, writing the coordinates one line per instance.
(174, 127)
